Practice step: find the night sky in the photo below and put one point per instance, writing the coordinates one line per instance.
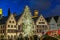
(46, 7)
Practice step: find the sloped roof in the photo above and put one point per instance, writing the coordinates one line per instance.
(35, 19)
(48, 19)
(17, 17)
(3, 20)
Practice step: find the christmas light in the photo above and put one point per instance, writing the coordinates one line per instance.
(27, 22)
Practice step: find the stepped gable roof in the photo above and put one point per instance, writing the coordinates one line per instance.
(4, 19)
(47, 19)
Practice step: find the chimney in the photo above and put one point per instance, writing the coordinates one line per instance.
(35, 12)
(8, 11)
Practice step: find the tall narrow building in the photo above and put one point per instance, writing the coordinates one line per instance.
(53, 24)
(42, 26)
(8, 11)
(11, 27)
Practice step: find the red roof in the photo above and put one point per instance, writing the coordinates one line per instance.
(58, 32)
(49, 32)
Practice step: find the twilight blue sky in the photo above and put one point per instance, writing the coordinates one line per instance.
(46, 7)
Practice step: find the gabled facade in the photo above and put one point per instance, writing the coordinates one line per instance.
(41, 25)
(52, 24)
(11, 27)
(58, 23)
(19, 25)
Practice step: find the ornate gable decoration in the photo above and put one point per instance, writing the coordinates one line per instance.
(52, 21)
(11, 18)
(41, 20)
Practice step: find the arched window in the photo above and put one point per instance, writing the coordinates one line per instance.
(8, 37)
(11, 36)
(14, 36)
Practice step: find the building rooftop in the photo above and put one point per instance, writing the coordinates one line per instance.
(4, 19)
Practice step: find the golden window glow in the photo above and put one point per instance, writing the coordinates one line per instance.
(36, 12)
(0, 11)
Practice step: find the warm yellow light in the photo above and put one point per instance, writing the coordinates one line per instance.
(36, 13)
(0, 11)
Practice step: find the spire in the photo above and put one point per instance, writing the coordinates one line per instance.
(8, 11)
